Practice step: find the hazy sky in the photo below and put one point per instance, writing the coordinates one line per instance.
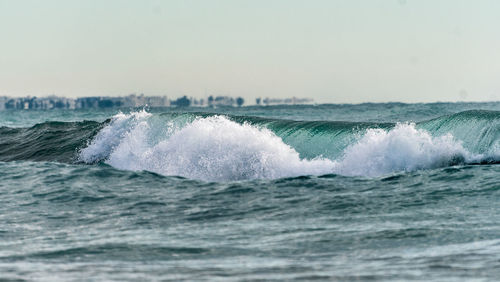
(332, 51)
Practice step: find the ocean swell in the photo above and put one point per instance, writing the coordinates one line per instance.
(48, 141)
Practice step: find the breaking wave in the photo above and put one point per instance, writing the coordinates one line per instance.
(221, 148)
(212, 148)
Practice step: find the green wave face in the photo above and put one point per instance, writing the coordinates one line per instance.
(315, 138)
(49, 141)
(479, 130)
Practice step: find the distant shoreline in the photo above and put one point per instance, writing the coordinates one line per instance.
(133, 100)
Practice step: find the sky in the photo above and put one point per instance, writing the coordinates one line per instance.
(334, 51)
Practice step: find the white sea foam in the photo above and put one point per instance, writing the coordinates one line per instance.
(111, 136)
(403, 148)
(212, 148)
(218, 149)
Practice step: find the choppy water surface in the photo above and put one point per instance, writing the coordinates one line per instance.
(371, 191)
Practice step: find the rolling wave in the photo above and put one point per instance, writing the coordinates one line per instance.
(224, 148)
(48, 141)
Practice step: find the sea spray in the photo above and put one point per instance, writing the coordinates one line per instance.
(213, 148)
(111, 136)
(403, 148)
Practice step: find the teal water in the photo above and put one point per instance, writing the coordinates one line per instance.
(328, 192)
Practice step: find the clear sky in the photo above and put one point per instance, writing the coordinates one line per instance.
(333, 51)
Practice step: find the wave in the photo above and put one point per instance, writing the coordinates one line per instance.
(479, 131)
(49, 141)
(216, 147)
(221, 148)
(211, 148)
(403, 148)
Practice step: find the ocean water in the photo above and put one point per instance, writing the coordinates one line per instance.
(326, 192)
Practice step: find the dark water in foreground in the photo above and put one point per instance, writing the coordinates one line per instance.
(252, 194)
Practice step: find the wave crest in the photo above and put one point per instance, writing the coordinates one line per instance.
(403, 148)
(212, 148)
(111, 136)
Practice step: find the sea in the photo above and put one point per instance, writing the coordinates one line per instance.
(343, 192)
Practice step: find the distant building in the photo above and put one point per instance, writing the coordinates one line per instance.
(224, 101)
(130, 101)
(157, 101)
(286, 101)
(3, 100)
(181, 102)
(240, 101)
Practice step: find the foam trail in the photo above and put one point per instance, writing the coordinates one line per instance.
(218, 149)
